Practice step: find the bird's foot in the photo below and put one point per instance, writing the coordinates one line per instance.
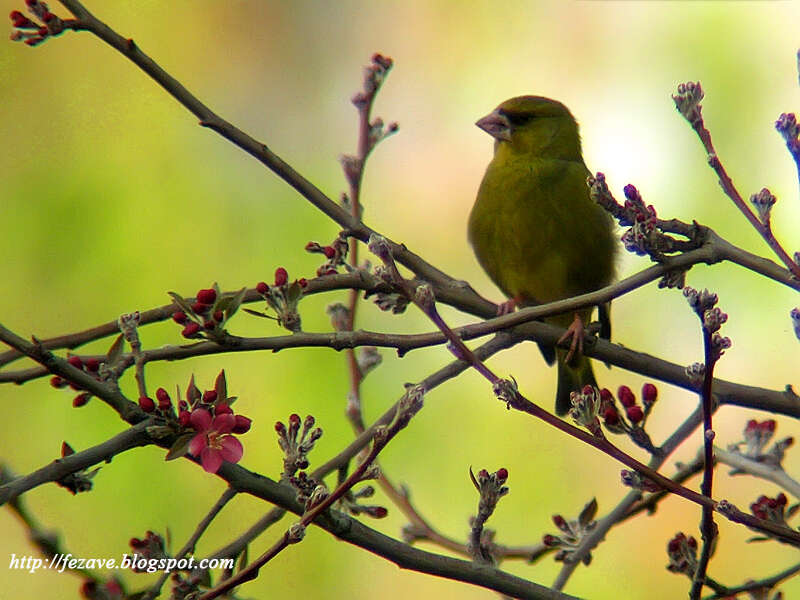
(508, 307)
(574, 331)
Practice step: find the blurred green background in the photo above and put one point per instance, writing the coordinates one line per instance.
(111, 195)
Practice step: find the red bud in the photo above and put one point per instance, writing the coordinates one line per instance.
(649, 393)
(281, 276)
(208, 296)
(81, 399)
(635, 413)
(147, 404)
(626, 396)
(190, 330)
(200, 307)
(242, 424)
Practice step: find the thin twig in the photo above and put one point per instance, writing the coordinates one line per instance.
(708, 529)
(190, 544)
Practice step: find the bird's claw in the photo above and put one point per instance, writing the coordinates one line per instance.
(508, 307)
(574, 331)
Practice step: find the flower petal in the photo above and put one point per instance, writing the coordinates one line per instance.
(211, 460)
(223, 423)
(198, 443)
(232, 449)
(200, 419)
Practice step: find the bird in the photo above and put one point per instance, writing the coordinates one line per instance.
(535, 229)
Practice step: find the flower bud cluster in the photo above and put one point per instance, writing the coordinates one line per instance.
(754, 446)
(90, 366)
(335, 255)
(632, 416)
(586, 408)
(789, 129)
(572, 533)
(151, 547)
(296, 444)
(204, 423)
(703, 303)
(110, 589)
(491, 487)
(205, 317)
(687, 101)
(682, 553)
(31, 32)
(350, 501)
(283, 297)
(506, 390)
(763, 202)
(774, 510)
(642, 237)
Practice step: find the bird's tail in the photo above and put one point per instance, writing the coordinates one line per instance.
(571, 378)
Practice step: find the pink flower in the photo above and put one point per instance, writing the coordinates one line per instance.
(213, 443)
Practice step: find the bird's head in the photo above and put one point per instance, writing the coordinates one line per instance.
(534, 125)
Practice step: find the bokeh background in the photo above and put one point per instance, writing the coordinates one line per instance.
(112, 195)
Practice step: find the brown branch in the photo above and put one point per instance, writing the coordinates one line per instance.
(189, 546)
(403, 555)
(61, 467)
(688, 103)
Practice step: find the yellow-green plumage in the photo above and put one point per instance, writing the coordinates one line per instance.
(534, 228)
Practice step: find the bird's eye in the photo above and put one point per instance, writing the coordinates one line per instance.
(518, 119)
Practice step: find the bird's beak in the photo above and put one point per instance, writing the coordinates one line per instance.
(496, 125)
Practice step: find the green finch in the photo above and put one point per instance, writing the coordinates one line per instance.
(534, 228)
